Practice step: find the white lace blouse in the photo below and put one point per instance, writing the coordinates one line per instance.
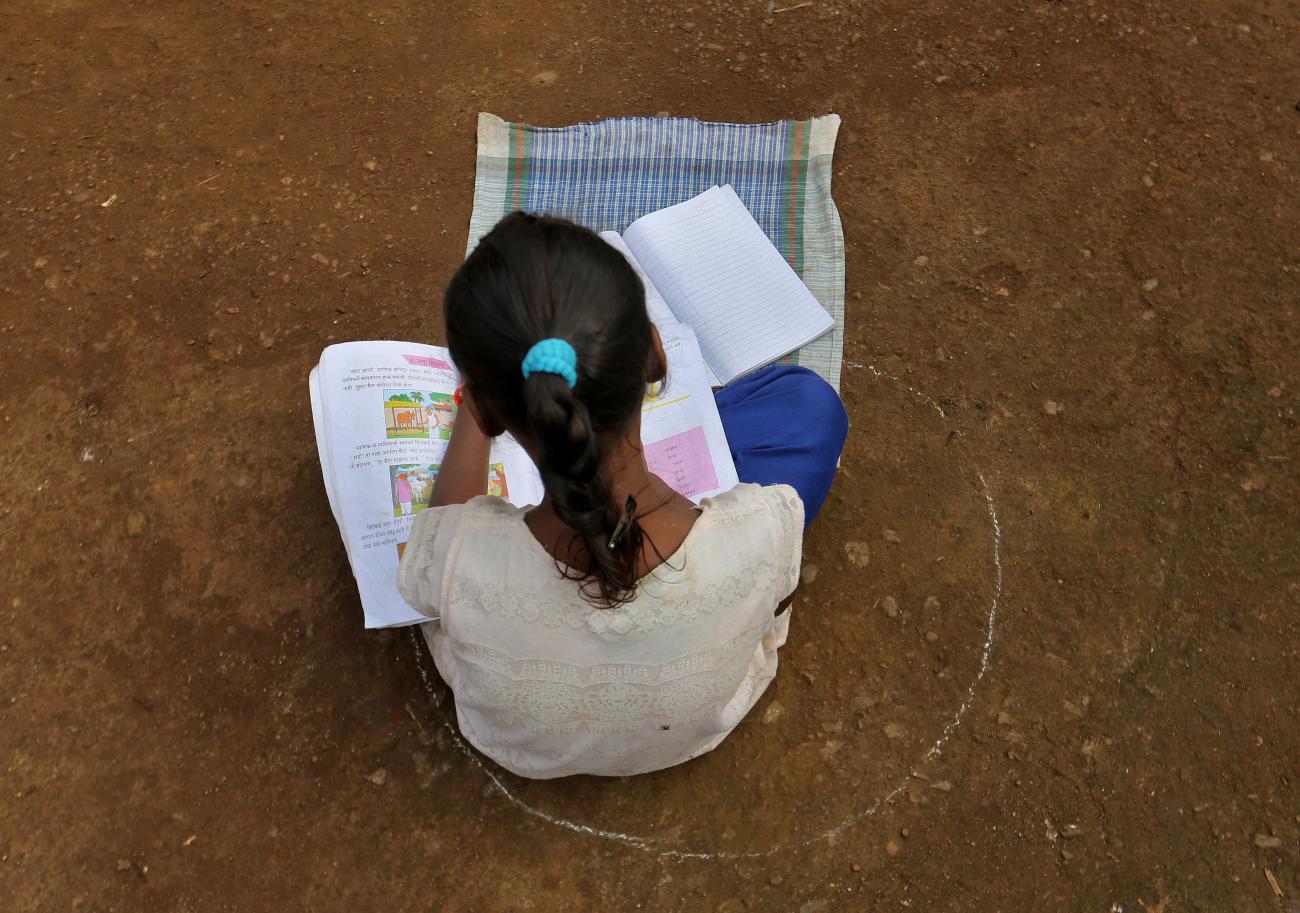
(548, 685)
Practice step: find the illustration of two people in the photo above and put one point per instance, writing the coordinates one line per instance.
(413, 488)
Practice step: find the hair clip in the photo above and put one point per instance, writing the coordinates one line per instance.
(624, 522)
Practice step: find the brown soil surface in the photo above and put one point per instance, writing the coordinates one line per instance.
(1071, 224)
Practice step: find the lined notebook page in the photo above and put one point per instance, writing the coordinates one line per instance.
(723, 277)
(660, 314)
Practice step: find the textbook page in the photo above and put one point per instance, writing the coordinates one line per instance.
(723, 277)
(680, 427)
(322, 446)
(387, 413)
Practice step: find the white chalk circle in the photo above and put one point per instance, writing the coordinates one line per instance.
(658, 846)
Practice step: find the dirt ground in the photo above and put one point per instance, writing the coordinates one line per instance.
(1072, 225)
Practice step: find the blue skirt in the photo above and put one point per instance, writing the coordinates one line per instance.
(785, 425)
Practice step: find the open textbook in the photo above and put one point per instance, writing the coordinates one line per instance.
(384, 412)
(707, 264)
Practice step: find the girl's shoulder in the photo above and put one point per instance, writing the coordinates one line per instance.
(748, 503)
(442, 522)
(437, 534)
(755, 532)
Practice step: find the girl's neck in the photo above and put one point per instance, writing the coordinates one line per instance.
(665, 516)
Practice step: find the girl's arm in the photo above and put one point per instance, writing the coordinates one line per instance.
(464, 471)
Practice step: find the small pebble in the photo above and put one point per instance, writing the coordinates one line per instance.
(546, 78)
(809, 573)
(124, 865)
(921, 260)
(378, 777)
(931, 637)
(1052, 408)
(944, 786)
(1150, 285)
(773, 712)
(892, 847)
(135, 523)
(1071, 831)
(1267, 841)
(859, 553)
(372, 166)
(890, 535)
(856, 867)
(890, 605)
(775, 879)
(895, 730)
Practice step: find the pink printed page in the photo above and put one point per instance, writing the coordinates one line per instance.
(684, 462)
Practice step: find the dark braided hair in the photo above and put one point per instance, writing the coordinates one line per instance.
(536, 277)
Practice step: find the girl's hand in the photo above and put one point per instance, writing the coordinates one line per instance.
(465, 405)
(463, 474)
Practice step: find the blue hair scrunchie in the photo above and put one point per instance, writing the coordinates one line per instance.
(552, 356)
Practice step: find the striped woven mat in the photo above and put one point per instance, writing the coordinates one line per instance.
(607, 174)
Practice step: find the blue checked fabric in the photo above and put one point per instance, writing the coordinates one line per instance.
(608, 174)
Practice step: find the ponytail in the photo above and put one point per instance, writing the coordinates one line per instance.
(569, 452)
(533, 289)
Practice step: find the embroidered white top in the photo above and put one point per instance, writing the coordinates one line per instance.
(548, 685)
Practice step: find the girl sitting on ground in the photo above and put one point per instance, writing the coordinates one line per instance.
(615, 628)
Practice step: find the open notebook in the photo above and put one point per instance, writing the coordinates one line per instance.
(707, 264)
